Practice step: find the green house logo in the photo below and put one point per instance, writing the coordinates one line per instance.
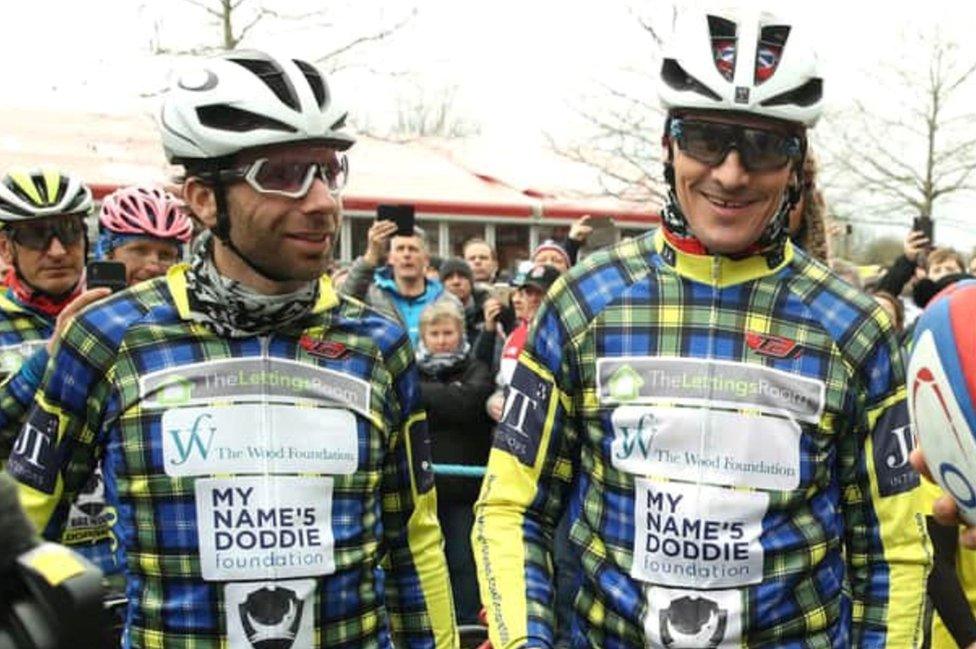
(175, 392)
(625, 384)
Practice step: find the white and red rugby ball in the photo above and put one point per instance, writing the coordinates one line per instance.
(942, 392)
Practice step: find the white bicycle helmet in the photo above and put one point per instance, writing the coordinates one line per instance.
(38, 193)
(245, 99)
(744, 61)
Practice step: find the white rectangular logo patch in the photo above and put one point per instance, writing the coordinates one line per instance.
(266, 527)
(696, 535)
(711, 446)
(693, 619)
(270, 614)
(259, 438)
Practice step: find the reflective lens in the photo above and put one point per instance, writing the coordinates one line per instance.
(710, 143)
(292, 178)
(38, 235)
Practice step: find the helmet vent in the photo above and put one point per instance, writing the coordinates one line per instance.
(316, 82)
(273, 76)
(228, 118)
(806, 95)
(772, 40)
(675, 76)
(723, 34)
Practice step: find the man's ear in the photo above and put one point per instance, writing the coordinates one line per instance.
(201, 201)
(7, 250)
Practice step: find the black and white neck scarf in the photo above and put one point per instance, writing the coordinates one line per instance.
(234, 310)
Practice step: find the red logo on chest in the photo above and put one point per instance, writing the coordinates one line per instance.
(774, 346)
(323, 348)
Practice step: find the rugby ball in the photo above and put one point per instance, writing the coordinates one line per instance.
(942, 392)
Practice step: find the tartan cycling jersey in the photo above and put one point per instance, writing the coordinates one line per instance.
(23, 332)
(734, 437)
(271, 491)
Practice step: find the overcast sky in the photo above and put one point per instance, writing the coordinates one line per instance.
(519, 65)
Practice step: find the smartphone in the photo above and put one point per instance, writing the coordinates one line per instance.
(502, 292)
(925, 225)
(402, 215)
(110, 274)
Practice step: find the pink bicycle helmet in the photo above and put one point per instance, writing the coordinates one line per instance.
(145, 211)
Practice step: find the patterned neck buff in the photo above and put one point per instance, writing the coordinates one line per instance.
(234, 310)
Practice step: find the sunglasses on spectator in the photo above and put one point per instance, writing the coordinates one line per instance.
(38, 235)
(710, 142)
(291, 178)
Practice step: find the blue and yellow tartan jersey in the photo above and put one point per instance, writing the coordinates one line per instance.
(270, 491)
(24, 333)
(732, 438)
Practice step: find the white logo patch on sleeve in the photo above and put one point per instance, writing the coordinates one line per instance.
(693, 619)
(270, 614)
(259, 438)
(696, 535)
(265, 527)
(716, 447)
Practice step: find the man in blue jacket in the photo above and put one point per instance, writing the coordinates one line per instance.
(400, 288)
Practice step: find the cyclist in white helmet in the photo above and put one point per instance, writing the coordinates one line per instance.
(723, 418)
(261, 435)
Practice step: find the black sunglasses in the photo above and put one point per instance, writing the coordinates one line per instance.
(710, 142)
(38, 235)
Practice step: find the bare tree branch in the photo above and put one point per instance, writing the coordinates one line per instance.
(368, 38)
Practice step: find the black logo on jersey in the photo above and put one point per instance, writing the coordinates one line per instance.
(893, 441)
(524, 416)
(271, 618)
(32, 460)
(422, 460)
(693, 622)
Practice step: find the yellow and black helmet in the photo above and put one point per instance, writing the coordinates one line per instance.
(39, 193)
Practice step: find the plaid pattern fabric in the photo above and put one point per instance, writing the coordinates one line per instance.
(389, 579)
(843, 555)
(22, 332)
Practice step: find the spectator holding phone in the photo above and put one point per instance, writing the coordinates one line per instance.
(917, 243)
(532, 288)
(401, 288)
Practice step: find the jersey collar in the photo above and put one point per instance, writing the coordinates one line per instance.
(719, 270)
(176, 280)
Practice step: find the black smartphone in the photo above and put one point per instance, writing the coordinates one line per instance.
(110, 274)
(402, 215)
(506, 318)
(925, 225)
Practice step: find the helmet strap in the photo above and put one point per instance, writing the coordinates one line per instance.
(222, 230)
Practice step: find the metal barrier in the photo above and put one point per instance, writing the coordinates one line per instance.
(459, 471)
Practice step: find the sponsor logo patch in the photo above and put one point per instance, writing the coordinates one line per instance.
(270, 615)
(691, 619)
(711, 383)
(892, 441)
(773, 346)
(33, 457)
(265, 527)
(524, 416)
(256, 438)
(322, 348)
(696, 535)
(242, 378)
(711, 446)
